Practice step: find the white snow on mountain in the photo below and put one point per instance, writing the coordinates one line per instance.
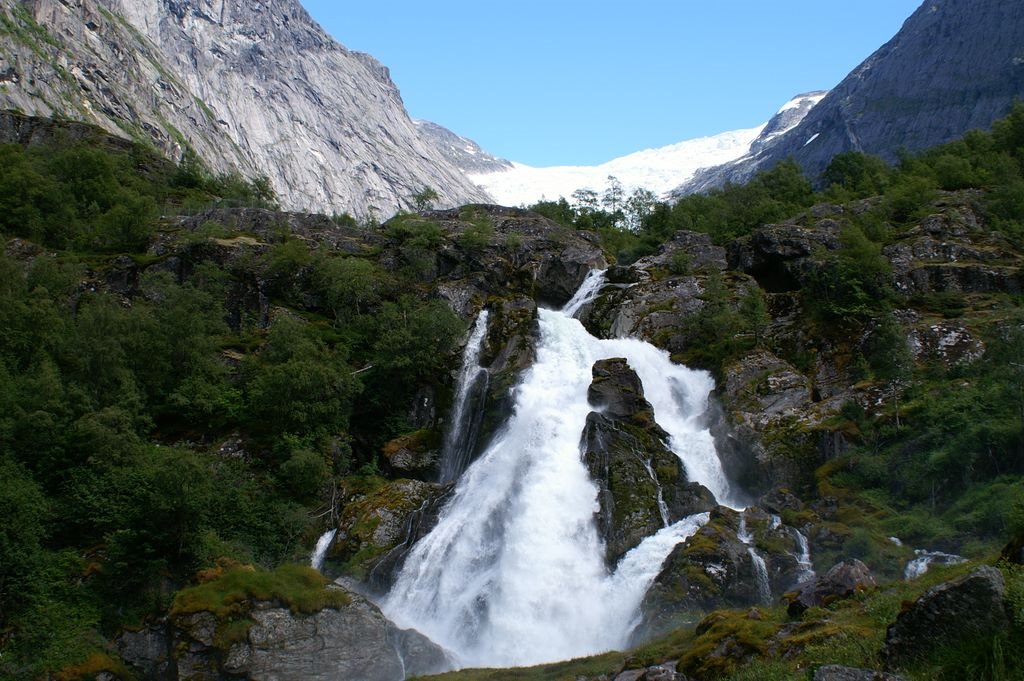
(658, 170)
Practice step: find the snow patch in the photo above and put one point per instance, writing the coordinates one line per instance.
(658, 170)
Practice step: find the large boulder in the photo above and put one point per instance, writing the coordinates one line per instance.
(263, 639)
(355, 642)
(774, 420)
(969, 607)
(642, 485)
(842, 581)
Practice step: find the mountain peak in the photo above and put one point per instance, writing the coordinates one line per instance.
(954, 66)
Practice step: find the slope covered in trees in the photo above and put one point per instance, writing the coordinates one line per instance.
(181, 391)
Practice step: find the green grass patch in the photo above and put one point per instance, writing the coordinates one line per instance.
(299, 588)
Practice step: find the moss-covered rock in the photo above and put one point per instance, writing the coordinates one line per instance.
(290, 623)
(642, 485)
(715, 568)
(375, 521)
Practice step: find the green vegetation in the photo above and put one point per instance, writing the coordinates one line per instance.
(232, 590)
(165, 410)
(123, 373)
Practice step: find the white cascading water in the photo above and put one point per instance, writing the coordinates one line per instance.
(460, 438)
(925, 559)
(764, 586)
(316, 560)
(662, 506)
(513, 573)
(804, 559)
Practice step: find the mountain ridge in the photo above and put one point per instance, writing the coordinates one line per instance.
(954, 66)
(326, 125)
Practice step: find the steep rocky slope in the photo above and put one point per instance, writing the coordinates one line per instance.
(257, 87)
(956, 65)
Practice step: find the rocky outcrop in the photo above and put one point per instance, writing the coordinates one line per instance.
(356, 642)
(953, 251)
(954, 66)
(376, 524)
(642, 485)
(655, 297)
(257, 87)
(972, 606)
(842, 581)
(352, 641)
(715, 569)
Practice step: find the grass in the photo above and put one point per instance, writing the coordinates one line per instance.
(301, 589)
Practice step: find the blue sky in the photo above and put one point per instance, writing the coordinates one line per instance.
(551, 82)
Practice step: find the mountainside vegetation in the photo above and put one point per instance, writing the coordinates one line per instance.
(182, 393)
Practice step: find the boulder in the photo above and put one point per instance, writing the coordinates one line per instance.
(972, 606)
(655, 297)
(642, 485)
(842, 581)
(355, 642)
(271, 643)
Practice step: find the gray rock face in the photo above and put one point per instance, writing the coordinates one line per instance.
(354, 643)
(623, 450)
(842, 581)
(255, 86)
(972, 606)
(638, 303)
(463, 153)
(954, 66)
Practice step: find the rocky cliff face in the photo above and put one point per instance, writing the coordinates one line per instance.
(257, 87)
(956, 65)
(463, 153)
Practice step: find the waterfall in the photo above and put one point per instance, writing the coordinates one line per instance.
(662, 506)
(464, 425)
(919, 565)
(513, 573)
(764, 586)
(316, 560)
(804, 559)
(586, 294)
